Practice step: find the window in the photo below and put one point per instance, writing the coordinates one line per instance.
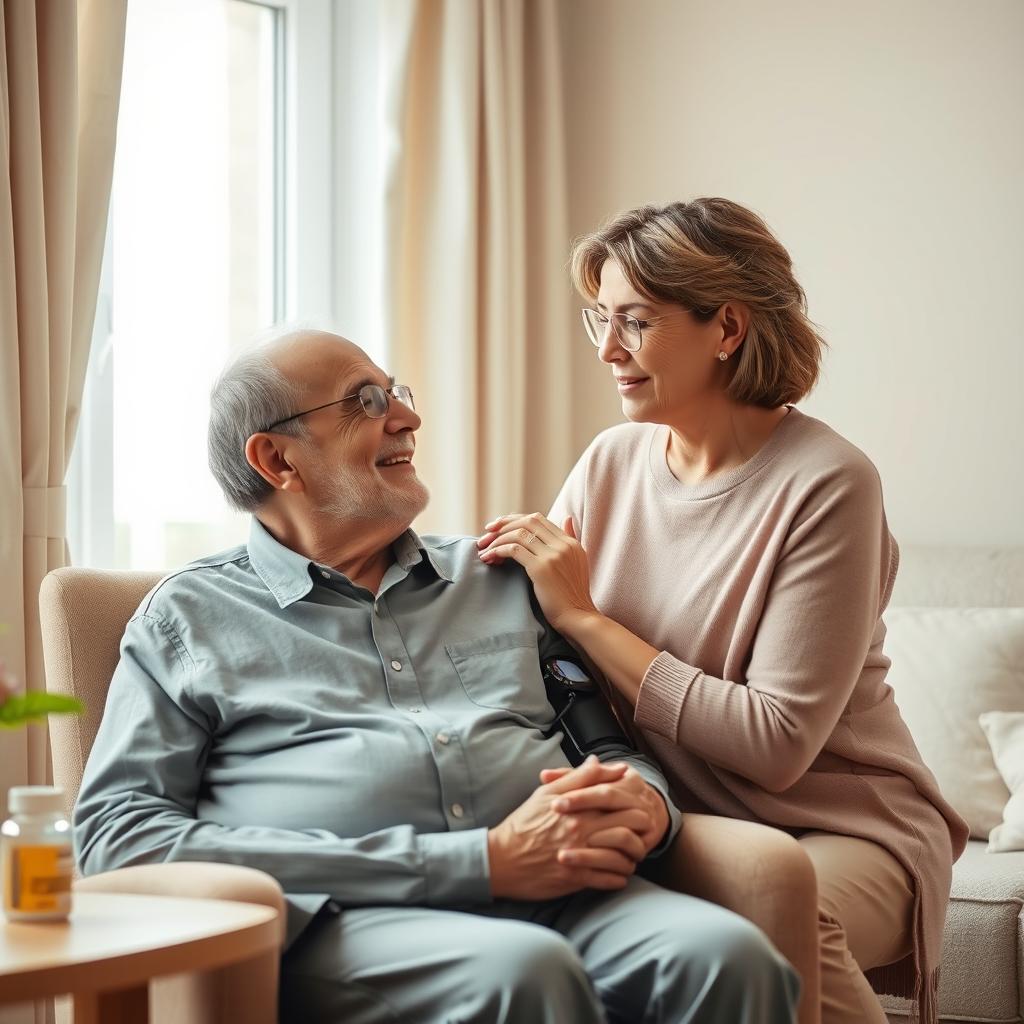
(220, 227)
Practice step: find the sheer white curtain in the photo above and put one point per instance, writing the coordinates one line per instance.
(475, 290)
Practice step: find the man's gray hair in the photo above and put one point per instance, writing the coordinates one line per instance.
(248, 397)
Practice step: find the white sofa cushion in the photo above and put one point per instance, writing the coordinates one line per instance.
(1005, 733)
(950, 665)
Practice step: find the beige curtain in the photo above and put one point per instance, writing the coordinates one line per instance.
(60, 82)
(476, 297)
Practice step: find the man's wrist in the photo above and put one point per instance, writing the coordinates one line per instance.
(662, 818)
(495, 863)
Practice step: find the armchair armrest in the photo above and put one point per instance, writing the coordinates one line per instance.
(760, 873)
(192, 880)
(241, 992)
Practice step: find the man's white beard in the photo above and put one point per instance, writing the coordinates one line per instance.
(354, 500)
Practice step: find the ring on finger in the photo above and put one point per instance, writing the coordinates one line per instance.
(530, 538)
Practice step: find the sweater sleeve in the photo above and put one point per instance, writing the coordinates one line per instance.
(827, 591)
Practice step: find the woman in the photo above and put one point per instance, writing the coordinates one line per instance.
(725, 560)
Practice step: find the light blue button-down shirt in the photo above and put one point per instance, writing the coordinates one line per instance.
(268, 712)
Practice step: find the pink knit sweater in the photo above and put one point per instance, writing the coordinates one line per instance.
(763, 587)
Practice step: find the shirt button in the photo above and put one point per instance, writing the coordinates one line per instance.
(326, 575)
(443, 738)
(396, 665)
(457, 810)
(415, 711)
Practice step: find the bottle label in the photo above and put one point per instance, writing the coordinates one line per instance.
(38, 879)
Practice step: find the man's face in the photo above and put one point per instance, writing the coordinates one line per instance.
(362, 468)
(356, 468)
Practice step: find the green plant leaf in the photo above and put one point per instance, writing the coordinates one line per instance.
(35, 706)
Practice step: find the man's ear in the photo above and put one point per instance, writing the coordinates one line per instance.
(266, 454)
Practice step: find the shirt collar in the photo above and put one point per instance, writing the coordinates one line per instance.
(286, 573)
(410, 550)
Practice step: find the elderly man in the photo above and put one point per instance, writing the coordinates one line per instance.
(361, 713)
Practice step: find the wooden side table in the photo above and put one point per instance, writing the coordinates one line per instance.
(114, 944)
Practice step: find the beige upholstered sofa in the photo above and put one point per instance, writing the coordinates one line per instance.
(756, 871)
(983, 955)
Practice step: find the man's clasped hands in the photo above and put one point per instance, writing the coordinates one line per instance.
(583, 827)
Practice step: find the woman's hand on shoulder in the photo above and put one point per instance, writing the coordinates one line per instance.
(553, 558)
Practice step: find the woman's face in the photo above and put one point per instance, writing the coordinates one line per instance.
(677, 365)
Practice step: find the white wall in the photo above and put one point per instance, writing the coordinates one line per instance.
(883, 142)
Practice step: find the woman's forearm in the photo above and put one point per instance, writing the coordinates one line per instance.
(620, 655)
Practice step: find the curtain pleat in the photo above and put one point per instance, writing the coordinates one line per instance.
(475, 291)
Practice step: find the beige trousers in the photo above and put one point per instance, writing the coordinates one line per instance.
(865, 909)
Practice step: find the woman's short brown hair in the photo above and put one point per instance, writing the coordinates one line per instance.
(700, 255)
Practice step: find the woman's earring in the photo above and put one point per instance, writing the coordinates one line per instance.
(722, 356)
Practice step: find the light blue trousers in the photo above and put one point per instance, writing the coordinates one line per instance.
(643, 955)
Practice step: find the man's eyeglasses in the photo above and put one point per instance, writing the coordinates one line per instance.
(372, 397)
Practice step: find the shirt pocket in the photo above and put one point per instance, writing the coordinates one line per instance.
(502, 671)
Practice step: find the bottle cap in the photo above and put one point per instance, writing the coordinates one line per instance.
(35, 800)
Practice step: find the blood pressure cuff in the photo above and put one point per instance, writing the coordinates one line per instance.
(589, 727)
(581, 713)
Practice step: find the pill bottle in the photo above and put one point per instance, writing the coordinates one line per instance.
(35, 855)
